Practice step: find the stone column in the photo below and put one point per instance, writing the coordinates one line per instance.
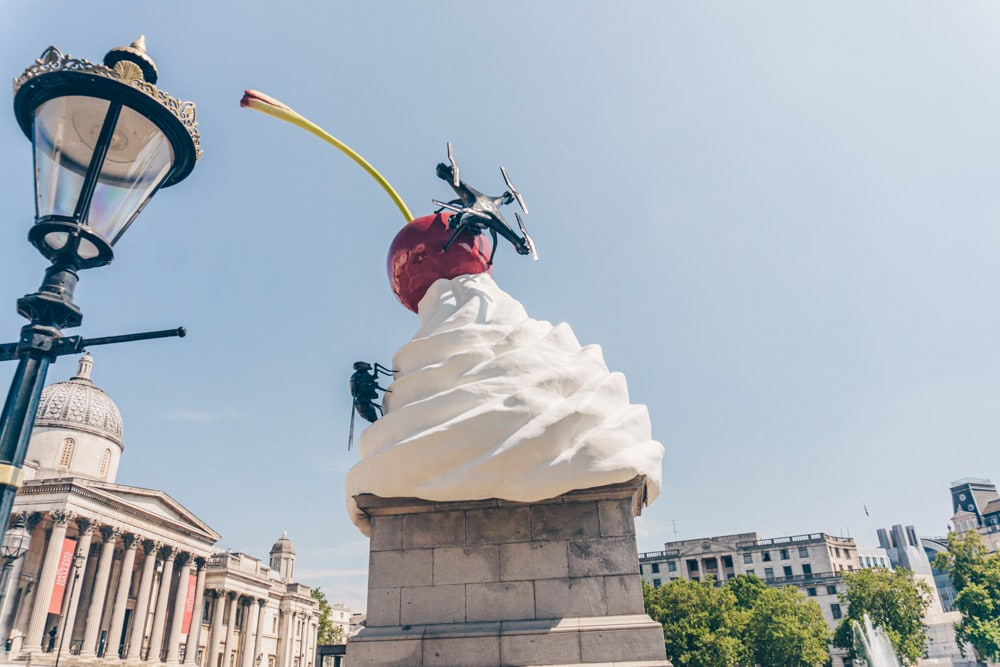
(160, 615)
(82, 548)
(215, 637)
(46, 582)
(115, 643)
(230, 629)
(174, 641)
(250, 637)
(289, 647)
(194, 633)
(97, 596)
(138, 632)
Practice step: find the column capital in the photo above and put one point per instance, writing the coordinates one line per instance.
(151, 547)
(111, 533)
(85, 525)
(232, 594)
(131, 540)
(261, 601)
(62, 517)
(199, 563)
(167, 553)
(183, 557)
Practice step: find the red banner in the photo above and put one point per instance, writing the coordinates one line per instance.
(62, 576)
(189, 603)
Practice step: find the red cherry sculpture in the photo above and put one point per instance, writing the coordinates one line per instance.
(417, 257)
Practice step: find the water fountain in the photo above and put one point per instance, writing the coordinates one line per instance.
(873, 646)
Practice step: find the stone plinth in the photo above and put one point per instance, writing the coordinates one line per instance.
(494, 583)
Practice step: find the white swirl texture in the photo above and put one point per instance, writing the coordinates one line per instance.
(489, 403)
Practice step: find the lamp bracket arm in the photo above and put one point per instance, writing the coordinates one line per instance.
(57, 346)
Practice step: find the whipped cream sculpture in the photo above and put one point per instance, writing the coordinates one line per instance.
(490, 403)
(486, 402)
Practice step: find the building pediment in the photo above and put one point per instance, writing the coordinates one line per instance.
(131, 504)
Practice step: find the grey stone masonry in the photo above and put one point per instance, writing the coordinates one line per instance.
(494, 583)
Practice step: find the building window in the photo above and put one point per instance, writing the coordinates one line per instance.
(656, 583)
(765, 556)
(835, 611)
(274, 625)
(747, 559)
(206, 613)
(66, 455)
(672, 566)
(788, 570)
(803, 552)
(750, 572)
(105, 460)
(784, 554)
(811, 592)
(239, 616)
(807, 569)
(692, 566)
(831, 590)
(656, 568)
(837, 549)
(727, 561)
(769, 573)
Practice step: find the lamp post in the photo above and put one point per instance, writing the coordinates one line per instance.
(16, 543)
(78, 561)
(105, 140)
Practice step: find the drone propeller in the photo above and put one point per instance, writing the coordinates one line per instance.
(527, 239)
(450, 207)
(511, 190)
(455, 180)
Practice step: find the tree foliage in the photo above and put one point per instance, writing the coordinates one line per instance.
(701, 622)
(743, 622)
(894, 600)
(786, 628)
(327, 631)
(975, 574)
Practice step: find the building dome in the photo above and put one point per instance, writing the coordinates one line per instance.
(283, 545)
(77, 432)
(78, 405)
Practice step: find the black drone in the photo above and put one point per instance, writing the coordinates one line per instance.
(364, 391)
(476, 212)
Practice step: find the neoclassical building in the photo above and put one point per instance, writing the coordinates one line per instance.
(128, 575)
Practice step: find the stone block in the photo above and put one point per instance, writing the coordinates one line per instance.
(559, 598)
(387, 533)
(508, 524)
(603, 556)
(483, 651)
(433, 529)
(534, 560)
(385, 652)
(608, 646)
(624, 594)
(383, 606)
(539, 648)
(499, 601)
(389, 569)
(465, 565)
(432, 604)
(616, 518)
(565, 521)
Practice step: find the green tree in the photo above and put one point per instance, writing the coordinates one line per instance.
(327, 631)
(975, 574)
(701, 622)
(785, 628)
(894, 600)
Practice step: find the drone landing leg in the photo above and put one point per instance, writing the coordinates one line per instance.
(493, 233)
(458, 230)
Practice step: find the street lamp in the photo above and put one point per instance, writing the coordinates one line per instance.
(105, 140)
(16, 542)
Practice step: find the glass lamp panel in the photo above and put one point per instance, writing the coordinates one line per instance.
(138, 159)
(64, 138)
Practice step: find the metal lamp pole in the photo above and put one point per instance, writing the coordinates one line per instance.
(78, 561)
(105, 141)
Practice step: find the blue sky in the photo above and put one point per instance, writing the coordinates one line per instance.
(779, 219)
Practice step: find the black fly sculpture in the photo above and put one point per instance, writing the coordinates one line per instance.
(364, 391)
(476, 212)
